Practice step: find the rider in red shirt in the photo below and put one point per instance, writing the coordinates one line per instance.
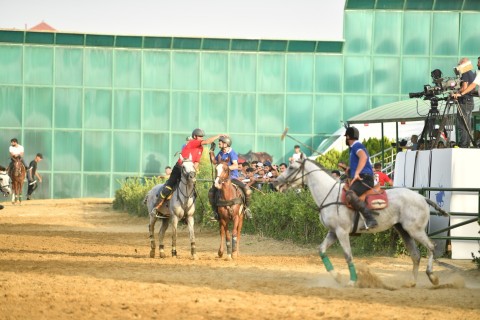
(193, 150)
(381, 177)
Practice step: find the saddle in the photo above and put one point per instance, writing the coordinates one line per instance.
(226, 203)
(375, 198)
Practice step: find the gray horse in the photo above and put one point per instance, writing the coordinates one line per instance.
(408, 212)
(5, 187)
(180, 206)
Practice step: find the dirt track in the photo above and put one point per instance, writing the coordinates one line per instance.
(79, 259)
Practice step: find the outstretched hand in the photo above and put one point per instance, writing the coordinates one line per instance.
(212, 146)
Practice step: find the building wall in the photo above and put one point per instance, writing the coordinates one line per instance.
(102, 107)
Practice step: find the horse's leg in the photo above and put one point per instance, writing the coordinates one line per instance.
(422, 237)
(151, 231)
(235, 236)
(191, 230)
(174, 234)
(330, 239)
(344, 239)
(239, 233)
(221, 223)
(161, 237)
(412, 249)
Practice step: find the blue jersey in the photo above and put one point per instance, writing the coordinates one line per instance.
(367, 169)
(231, 156)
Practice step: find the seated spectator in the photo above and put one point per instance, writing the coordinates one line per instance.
(297, 154)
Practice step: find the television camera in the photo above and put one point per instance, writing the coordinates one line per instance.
(441, 85)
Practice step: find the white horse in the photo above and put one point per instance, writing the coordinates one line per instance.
(408, 212)
(181, 205)
(5, 183)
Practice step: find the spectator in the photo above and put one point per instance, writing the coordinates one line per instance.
(297, 154)
(242, 174)
(282, 167)
(336, 174)
(381, 177)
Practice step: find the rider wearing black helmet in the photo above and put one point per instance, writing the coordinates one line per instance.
(361, 175)
(193, 150)
(227, 153)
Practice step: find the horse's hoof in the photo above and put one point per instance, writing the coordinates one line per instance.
(228, 258)
(410, 284)
(351, 284)
(152, 253)
(433, 279)
(220, 254)
(194, 257)
(163, 255)
(335, 275)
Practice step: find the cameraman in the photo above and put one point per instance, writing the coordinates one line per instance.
(471, 86)
(465, 101)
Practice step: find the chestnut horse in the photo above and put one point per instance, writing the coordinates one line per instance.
(17, 174)
(229, 202)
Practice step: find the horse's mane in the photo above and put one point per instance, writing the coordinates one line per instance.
(321, 167)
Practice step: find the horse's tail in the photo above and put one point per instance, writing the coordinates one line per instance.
(437, 207)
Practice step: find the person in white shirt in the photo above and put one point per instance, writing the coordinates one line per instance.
(16, 150)
(297, 154)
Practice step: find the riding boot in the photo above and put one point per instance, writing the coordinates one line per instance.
(162, 197)
(211, 199)
(359, 205)
(248, 200)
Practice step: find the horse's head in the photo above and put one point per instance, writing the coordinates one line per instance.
(223, 174)
(5, 184)
(292, 177)
(189, 173)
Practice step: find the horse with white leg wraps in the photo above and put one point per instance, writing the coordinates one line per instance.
(180, 206)
(408, 212)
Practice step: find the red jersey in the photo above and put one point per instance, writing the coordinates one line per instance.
(382, 178)
(193, 149)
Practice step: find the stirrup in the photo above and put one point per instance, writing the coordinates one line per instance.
(248, 213)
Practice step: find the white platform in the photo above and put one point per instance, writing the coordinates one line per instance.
(446, 168)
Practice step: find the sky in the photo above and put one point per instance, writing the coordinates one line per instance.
(320, 20)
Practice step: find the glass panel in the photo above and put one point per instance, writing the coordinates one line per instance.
(11, 64)
(98, 109)
(357, 74)
(415, 74)
(38, 65)
(156, 70)
(96, 186)
(327, 114)
(127, 109)
(216, 44)
(243, 69)
(354, 105)
(416, 33)
(96, 148)
(185, 71)
(446, 65)
(244, 143)
(390, 4)
(156, 110)
(11, 106)
(300, 73)
(299, 113)
(68, 66)
(242, 113)
(447, 5)
(271, 113)
(214, 111)
(378, 101)
(66, 185)
(155, 153)
(358, 31)
(271, 145)
(68, 151)
(127, 68)
(445, 43)
(271, 73)
(68, 108)
(360, 4)
(214, 72)
(38, 107)
(44, 190)
(98, 67)
(419, 5)
(126, 161)
(470, 45)
(387, 32)
(185, 113)
(385, 75)
(328, 73)
(36, 141)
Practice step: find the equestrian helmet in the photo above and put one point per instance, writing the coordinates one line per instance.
(226, 140)
(352, 132)
(198, 133)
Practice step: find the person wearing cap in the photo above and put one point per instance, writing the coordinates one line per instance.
(193, 150)
(32, 173)
(227, 154)
(361, 176)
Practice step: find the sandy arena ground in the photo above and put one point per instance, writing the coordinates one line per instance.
(80, 259)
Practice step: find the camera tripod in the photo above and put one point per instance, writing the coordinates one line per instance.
(446, 121)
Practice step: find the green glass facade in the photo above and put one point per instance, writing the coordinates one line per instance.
(102, 107)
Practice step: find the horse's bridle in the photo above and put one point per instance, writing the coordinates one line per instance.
(188, 176)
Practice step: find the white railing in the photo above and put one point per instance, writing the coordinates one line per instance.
(388, 160)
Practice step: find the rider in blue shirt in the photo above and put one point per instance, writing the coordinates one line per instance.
(227, 153)
(361, 176)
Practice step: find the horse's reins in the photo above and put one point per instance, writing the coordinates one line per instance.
(185, 195)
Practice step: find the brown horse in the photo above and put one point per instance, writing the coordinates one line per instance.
(17, 175)
(229, 202)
